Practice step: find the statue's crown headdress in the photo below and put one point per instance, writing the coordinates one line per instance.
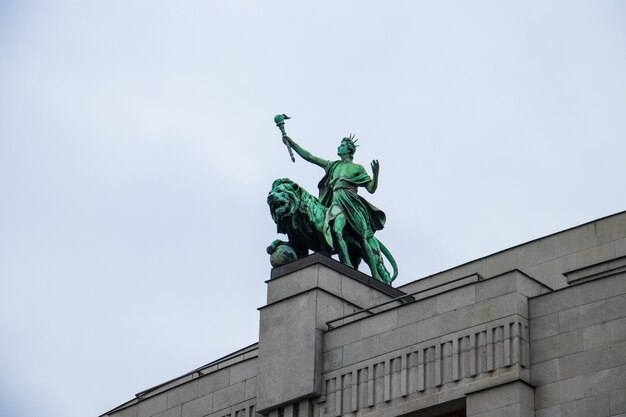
(351, 143)
(351, 139)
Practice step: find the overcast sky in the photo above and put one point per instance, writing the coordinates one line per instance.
(137, 148)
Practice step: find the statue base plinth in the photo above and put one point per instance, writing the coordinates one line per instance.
(301, 297)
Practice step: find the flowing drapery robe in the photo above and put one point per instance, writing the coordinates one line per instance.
(363, 217)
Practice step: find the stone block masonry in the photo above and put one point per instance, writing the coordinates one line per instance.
(535, 330)
(224, 388)
(579, 366)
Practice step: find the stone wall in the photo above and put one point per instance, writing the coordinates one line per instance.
(535, 330)
(548, 259)
(291, 325)
(578, 350)
(224, 388)
(432, 351)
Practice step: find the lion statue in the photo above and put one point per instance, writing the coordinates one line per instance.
(300, 216)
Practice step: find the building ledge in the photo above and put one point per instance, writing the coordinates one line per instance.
(318, 258)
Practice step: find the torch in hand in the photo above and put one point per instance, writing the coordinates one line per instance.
(279, 119)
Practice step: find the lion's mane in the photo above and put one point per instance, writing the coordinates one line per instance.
(297, 213)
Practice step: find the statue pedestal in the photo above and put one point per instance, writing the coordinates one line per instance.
(301, 297)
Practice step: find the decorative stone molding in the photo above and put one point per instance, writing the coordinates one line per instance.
(450, 361)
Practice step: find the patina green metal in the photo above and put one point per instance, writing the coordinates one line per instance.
(339, 222)
(279, 119)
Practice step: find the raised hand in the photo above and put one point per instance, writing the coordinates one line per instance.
(375, 167)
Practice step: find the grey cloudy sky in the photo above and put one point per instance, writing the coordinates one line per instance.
(137, 148)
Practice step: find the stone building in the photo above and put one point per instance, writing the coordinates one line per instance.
(535, 330)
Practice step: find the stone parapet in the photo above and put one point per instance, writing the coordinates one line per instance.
(494, 337)
(578, 349)
(466, 339)
(300, 302)
(223, 388)
(548, 259)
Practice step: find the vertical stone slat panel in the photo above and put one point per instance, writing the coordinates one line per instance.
(490, 348)
(304, 408)
(482, 352)
(346, 392)
(429, 359)
(507, 345)
(421, 374)
(525, 361)
(354, 400)
(438, 364)
(472, 354)
(338, 396)
(499, 347)
(515, 342)
(317, 409)
(455, 359)
(362, 381)
(431, 368)
(331, 395)
(387, 370)
(414, 369)
(396, 377)
(412, 377)
(404, 375)
(370, 386)
(446, 362)
(465, 356)
(379, 383)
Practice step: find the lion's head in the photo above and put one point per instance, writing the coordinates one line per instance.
(283, 199)
(295, 211)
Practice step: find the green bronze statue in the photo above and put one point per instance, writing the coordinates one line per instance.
(341, 221)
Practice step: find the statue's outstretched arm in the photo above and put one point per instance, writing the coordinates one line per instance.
(373, 184)
(306, 155)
